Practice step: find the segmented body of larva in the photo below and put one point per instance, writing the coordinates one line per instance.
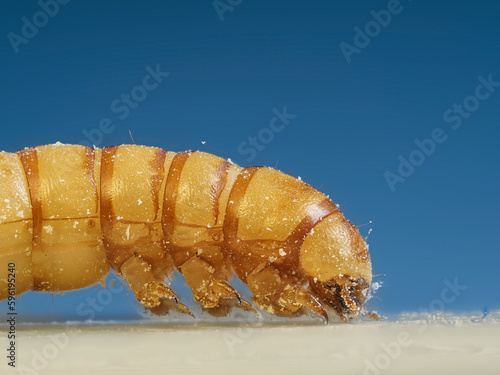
(69, 213)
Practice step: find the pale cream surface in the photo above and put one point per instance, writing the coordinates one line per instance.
(449, 345)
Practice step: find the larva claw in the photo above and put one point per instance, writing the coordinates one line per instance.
(166, 306)
(154, 292)
(310, 302)
(246, 306)
(219, 298)
(160, 299)
(227, 292)
(221, 289)
(213, 293)
(183, 309)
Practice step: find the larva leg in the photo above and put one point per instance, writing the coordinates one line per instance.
(214, 294)
(151, 293)
(196, 195)
(277, 294)
(271, 216)
(133, 182)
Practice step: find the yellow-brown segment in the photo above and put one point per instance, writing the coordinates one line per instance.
(195, 201)
(65, 217)
(16, 225)
(69, 213)
(133, 182)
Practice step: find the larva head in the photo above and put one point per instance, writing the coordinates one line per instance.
(335, 257)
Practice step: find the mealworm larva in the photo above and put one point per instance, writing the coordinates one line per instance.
(69, 213)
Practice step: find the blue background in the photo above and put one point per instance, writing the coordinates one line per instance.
(353, 119)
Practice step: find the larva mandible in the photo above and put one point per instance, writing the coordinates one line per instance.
(69, 213)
